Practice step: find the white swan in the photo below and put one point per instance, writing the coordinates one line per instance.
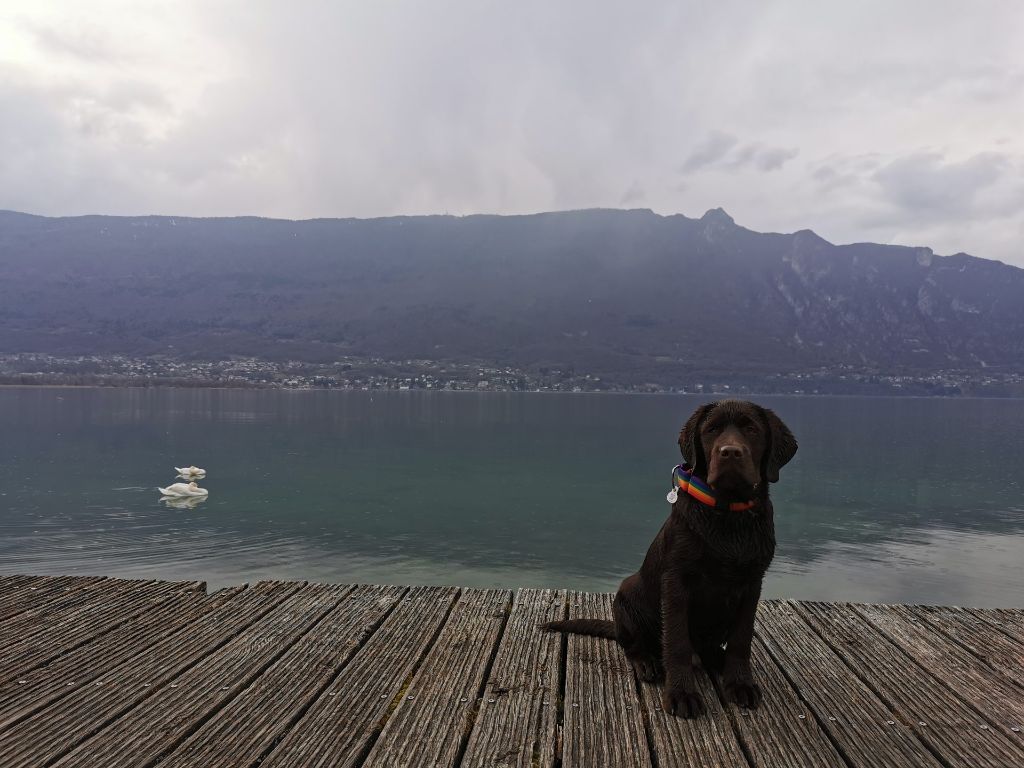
(183, 489)
(192, 471)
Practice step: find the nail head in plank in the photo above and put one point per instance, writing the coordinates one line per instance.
(781, 732)
(855, 718)
(952, 726)
(40, 593)
(995, 697)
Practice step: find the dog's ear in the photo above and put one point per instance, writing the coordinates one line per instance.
(689, 439)
(781, 446)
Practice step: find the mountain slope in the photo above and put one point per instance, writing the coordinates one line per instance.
(624, 293)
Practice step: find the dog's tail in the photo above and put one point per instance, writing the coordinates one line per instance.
(592, 627)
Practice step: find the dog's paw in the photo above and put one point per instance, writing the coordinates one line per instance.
(745, 694)
(681, 703)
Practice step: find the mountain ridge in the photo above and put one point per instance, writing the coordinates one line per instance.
(628, 294)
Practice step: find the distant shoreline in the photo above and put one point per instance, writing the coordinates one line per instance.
(738, 395)
(375, 374)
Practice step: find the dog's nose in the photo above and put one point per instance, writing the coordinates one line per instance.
(730, 452)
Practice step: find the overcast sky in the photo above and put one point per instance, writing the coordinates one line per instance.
(888, 121)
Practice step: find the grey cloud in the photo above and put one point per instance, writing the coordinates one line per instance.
(825, 174)
(709, 151)
(722, 150)
(371, 109)
(926, 183)
(773, 158)
(762, 158)
(742, 157)
(843, 172)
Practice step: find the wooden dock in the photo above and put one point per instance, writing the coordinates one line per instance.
(109, 672)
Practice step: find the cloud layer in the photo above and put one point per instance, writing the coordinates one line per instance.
(894, 123)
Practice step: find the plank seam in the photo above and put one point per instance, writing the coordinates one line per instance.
(822, 724)
(556, 747)
(110, 720)
(360, 759)
(563, 649)
(301, 712)
(246, 682)
(645, 716)
(474, 711)
(799, 610)
(744, 747)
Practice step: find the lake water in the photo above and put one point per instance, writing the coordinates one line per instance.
(888, 500)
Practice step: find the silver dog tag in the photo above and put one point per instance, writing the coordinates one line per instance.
(673, 495)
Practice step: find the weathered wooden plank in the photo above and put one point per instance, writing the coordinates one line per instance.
(38, 635)
(37, 686)
(518, 718)
(60, 727)
(161, 722)
(39, 593)
(708, 740)
(62, 607)
(341, 725)
(15, 582)
(1008, 620)
(984, 640)
(996, 697)
(855, 718)
(952, 729)
(782, 732)
(276, 699)
(29, 590)
(602, 721)
(433, 719)
(262, 680)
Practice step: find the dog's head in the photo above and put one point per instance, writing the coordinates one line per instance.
(737, 445)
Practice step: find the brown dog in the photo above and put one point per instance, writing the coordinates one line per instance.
(698, 587)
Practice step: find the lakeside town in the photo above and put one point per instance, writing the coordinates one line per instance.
(355, 373)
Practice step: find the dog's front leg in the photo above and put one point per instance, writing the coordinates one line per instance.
(680, 696)
(737, 678)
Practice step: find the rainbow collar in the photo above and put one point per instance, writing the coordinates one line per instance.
(684, 480)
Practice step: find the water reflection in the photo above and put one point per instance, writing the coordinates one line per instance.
(183, 502)
(913, 500)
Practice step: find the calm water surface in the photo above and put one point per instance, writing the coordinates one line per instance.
(888, 500)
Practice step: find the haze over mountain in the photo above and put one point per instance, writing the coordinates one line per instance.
(626, 294)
